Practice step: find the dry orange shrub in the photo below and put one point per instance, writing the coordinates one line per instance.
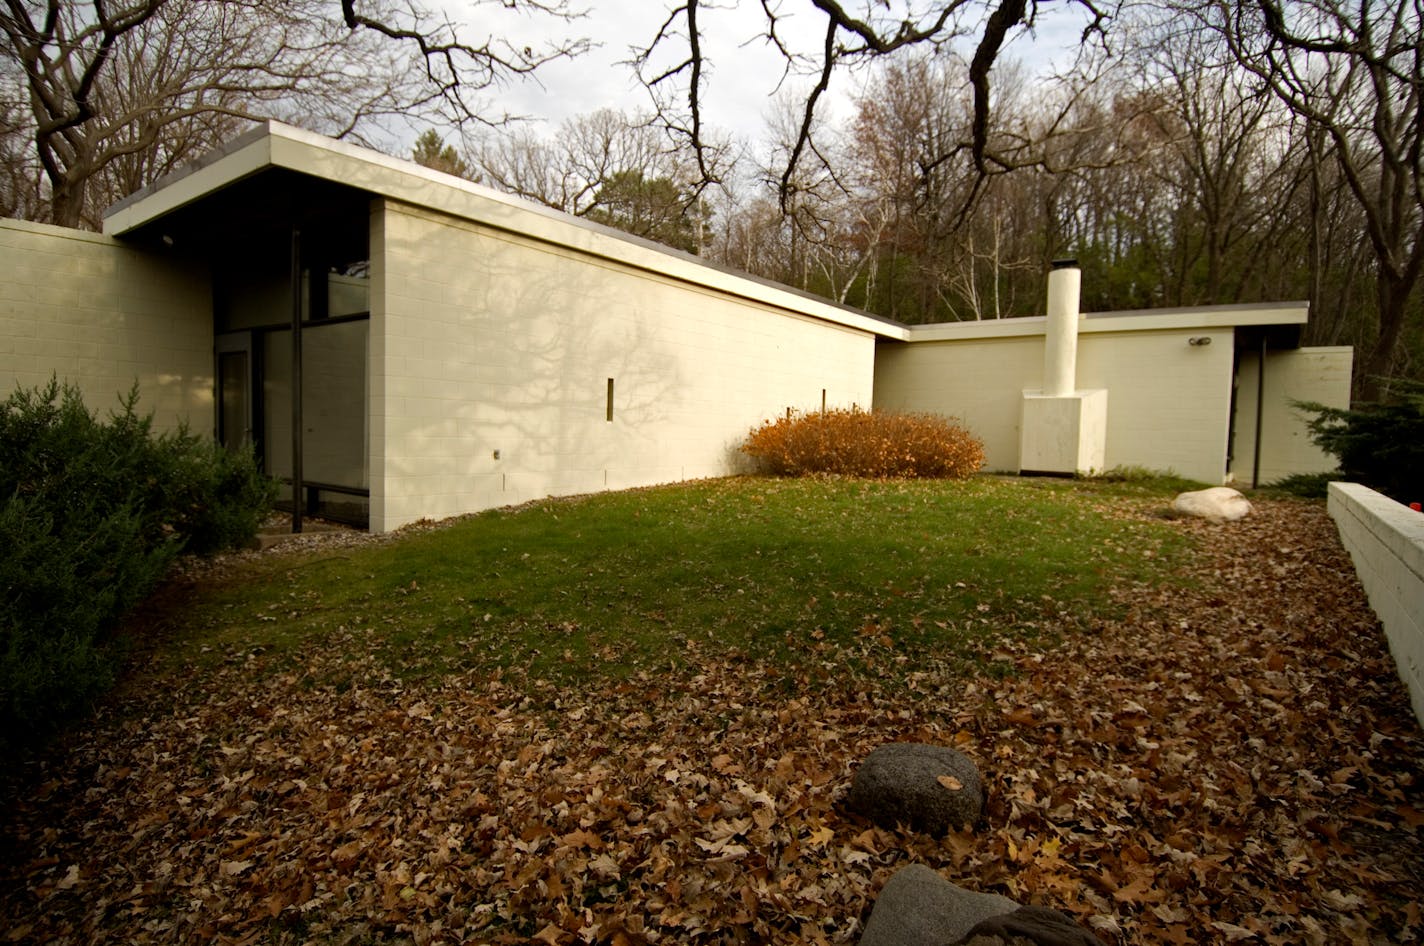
(865, 443)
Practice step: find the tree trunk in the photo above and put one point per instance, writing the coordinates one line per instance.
(67, 201)
(1374, 374)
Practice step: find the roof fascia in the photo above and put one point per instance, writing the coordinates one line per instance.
(1194, 318)
(283, 146)
(244, 156)
(274, 144)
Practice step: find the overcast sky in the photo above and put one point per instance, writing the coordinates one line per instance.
(744, 70)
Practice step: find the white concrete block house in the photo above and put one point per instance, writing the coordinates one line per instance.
(456, 349)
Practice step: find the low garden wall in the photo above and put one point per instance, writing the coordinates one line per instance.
(1386, 541)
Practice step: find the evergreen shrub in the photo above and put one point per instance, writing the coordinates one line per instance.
(865, 443)
(91, 515)
(1379, 445)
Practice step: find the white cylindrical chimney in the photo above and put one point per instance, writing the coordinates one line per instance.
(1060, 351)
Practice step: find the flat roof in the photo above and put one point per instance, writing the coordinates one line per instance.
(274, 145)
(1129, 320)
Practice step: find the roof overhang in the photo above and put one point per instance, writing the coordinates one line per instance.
(1281, 321)
(273, 156)
(277, 176)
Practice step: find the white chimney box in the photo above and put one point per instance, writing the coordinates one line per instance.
(1063, 430)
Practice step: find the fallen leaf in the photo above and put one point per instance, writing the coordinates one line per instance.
(550, 934)
(1232, 932)
(234, 868)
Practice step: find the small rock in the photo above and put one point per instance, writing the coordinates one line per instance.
(918, 907)
(933, 789)
(1219, 504)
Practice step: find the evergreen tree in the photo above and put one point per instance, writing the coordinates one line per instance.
(431, 151)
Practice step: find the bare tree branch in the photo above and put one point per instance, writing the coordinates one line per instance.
(1355, 73)
(140, 82)
(848, 39)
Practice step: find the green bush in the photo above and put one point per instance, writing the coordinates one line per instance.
(1305, 485)
(864, 443)
(1379, 445)
(1140, 480)
(91, 515)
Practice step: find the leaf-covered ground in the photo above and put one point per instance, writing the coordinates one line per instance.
(1234, 762)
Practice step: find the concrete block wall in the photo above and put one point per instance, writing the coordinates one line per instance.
(484, 341)
(980, 383)
(1168, 402)
(1302, 374)
(90, 310)
(1386, 541)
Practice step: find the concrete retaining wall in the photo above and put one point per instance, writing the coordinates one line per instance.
(1386, 541)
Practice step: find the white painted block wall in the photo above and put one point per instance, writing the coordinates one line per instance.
(1064, 433)
(1321, 375)
(1169, 402)
(485, 341)
(1386, 541)
(980, 383)
(1168, 407)
(88, 309)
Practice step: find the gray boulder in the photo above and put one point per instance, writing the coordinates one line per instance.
(933, 789)
(1031, 926)
(918, 907)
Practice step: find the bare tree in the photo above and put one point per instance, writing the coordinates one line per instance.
(815, 206)
(1224, 177)
(1210, 171)
(608, 165)
(957, 243)
(527, 164)
(19, 174)
(117, 91)
(751, 235)
(1355, 75)
(674, 67)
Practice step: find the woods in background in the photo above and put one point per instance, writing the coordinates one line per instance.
(1219, 155)
(1207, 155)
(1195, 153)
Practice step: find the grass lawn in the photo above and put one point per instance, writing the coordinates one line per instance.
(599, 586)
(631, 719)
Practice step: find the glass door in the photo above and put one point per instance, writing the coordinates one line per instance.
(235, 373)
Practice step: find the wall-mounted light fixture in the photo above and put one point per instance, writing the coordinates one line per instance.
(1199, 340)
